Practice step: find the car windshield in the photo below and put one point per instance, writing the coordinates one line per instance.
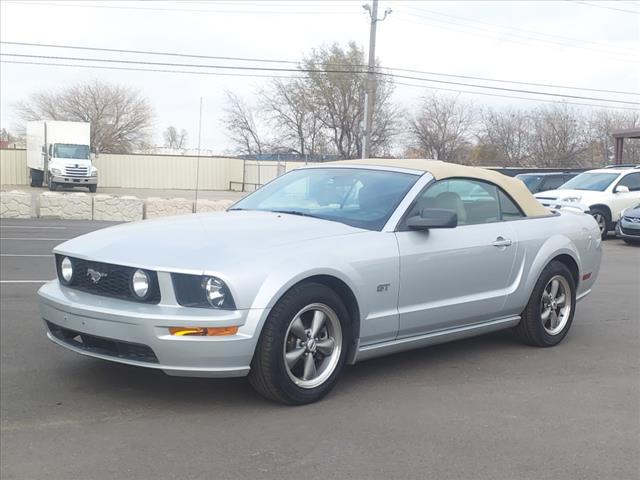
(65, 150)
(531, 181)
(358, 197)
(590, 181)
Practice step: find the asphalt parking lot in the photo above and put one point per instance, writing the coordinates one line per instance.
(483, 408)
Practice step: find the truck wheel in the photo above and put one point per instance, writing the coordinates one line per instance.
(548, 316)
(302, 347)
(36, 177)
(93, 188)
(53, 186)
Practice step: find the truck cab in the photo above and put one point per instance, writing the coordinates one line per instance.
(59, 155)
(70, 164)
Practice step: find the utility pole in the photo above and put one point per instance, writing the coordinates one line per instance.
(371, 76)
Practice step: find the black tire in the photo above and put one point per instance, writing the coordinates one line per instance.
(36, 177)
(531, 329)
(268, 374)
(93, 188)
(53, 186)
(605, 215)
(631, 242)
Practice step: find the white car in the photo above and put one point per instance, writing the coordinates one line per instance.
(606, 192)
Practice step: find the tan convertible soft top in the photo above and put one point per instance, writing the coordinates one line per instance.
(514, 187)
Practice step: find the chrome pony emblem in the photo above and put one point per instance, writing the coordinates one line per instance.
(95, 275)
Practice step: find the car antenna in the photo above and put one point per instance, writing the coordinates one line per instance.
(195, 203)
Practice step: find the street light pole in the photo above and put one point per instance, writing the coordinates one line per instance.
(371, 77)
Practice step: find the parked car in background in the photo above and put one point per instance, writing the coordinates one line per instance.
(628, 227)
(543, 181)
(356, 259)
(605, 191)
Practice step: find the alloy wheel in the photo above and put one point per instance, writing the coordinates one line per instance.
(312, 345)
(602, 221)
(555, 306)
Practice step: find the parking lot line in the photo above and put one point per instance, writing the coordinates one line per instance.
(19, 255)
(34, 239)
(24, 281)
(39, 228)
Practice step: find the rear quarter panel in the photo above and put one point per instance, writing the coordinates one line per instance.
(540, 240)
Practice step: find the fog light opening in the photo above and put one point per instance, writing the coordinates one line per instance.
(202, 331)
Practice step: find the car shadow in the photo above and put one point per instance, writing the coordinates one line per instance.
(141, 387)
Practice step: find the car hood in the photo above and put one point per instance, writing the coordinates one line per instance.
(197, 243)
(563, 193)
(632, 212)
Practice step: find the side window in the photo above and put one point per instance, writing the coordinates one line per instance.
(508, 208)
(553, 182)
(474, 201)
(632, 181)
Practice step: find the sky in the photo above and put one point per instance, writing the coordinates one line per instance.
(586, 44)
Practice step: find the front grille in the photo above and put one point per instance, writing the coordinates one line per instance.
(632, 219)
(103, 346)
(76, 171)
(630, 231)
(114, 280)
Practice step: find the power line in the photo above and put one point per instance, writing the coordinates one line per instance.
(181, 10)
(519, 30)
(154, 70)
(291, 62)
(607, 8)
(310, 70)
(455, 90)
(615, 55)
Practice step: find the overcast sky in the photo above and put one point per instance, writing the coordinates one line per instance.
(586, 44)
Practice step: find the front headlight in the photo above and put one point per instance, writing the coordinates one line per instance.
(202, 292)
(65, 270)
(94, 171)
(56, 171)
(140, 284)
(572, 199)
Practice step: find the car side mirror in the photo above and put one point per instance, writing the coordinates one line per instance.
(433, 218)
(622, 189)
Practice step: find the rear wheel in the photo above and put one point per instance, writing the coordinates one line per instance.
(603, 218)
(549, 313)
(302, 347)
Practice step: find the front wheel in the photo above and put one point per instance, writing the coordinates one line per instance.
(303, 346)
(53, 186)
(548, 316)
(93, 188)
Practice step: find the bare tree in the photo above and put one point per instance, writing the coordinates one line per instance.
(292, 114)
(601, 144)
(336, 84)
(508, 134)
(175, 139)
(120, 117)
(241, 126)
(441, 128)
(558, 137)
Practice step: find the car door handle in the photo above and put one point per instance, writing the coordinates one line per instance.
(502, 242)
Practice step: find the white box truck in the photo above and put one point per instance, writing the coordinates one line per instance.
(58, 154)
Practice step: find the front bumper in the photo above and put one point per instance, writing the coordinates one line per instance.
(628, 230)
(119, 327)
(64, 180)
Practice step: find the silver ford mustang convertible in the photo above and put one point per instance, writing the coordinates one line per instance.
(325, 265)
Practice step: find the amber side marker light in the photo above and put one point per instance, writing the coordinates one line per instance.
(202, 331)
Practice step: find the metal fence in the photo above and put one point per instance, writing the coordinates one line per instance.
(162, 171)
